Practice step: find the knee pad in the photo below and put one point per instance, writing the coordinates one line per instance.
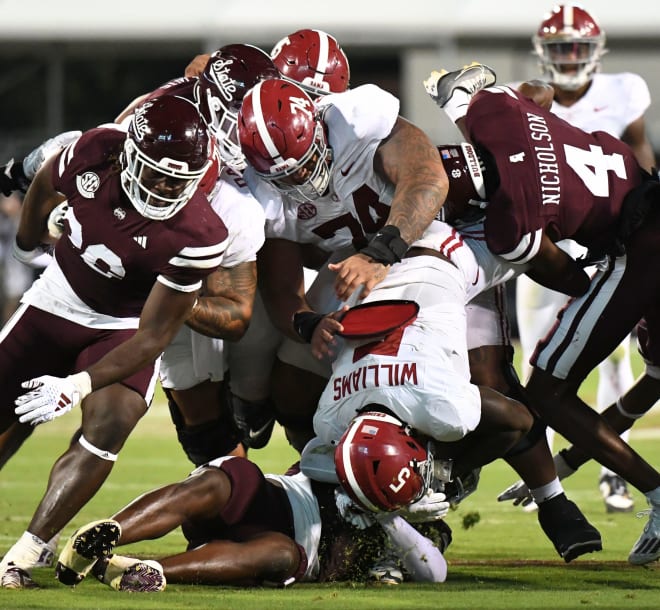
(536, 432)
(207, 441)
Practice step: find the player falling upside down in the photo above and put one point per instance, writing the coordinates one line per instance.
(539, 168)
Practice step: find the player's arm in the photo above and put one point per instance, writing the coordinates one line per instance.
(128, 111)
(553, 268)
(407, 159)
(197, 65)
(282, 282)
(41, 198)
(164, 311)
(224, 308)
(636, 137)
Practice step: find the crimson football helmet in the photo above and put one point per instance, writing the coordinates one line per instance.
(569, 44)
(165, 157)
(380, 465)
(466, 181)
(230, 72)
(314, 60)
(283, 139)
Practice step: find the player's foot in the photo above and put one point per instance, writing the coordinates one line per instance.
(615, 493)
(130, 574)
(567, 528)
(255, 420)
(16, 578)
(86, 545)
(647, 547)
(441, 85)
(386, 571)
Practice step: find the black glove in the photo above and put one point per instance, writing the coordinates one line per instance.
(12, 178)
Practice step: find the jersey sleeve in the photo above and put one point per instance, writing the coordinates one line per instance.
(639, 97)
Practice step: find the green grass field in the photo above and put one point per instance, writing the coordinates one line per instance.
(504, 561)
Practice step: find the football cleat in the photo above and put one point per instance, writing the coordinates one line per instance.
(16, 578)
(647, 547)
(441, 85)
(130, 574)
(86, 545)
(615, 493)
(567, 528)
(386, 571)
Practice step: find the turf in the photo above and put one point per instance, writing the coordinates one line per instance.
(501, 561)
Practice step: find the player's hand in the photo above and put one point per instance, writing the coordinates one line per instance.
(323, 339)
(197, 65)
(351, 513)
(50, 397)
(357, 272)
(433, 506)
(56, 220)
(518, 492)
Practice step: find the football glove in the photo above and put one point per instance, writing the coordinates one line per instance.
(433, 506)
(519, 492)
(351, 513)
(56, 220)
(50, 397)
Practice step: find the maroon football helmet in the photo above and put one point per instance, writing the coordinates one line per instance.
(314, 60)
(466, 181)
(569, 44)
(165, 157)
(284, 140)
(380, 465)
(230, 72)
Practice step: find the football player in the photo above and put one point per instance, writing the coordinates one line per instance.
(569, 44)
(245, 528)
(551, 181)
(139, 238)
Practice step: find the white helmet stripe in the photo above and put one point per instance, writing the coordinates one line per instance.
(569, 19)
(346, 458)
(324, 52)
(261, 125)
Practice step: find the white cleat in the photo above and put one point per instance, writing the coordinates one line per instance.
(441, 85)
(647, 547)
(129, 574)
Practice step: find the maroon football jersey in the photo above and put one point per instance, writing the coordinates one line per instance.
(553, 177)
(111, 254)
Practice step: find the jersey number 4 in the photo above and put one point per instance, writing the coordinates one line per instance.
(592, 166)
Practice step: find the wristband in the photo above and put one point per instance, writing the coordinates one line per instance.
(304, 323)
(386, 247)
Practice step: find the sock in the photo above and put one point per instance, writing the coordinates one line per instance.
(547, 491)
(25, 553)
(457, 105)
(420, 557)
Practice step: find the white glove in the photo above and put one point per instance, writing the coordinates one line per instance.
(37, 258)
(51, 397)
(433, 506)
(36, 158)
(519, 492)
(56, 220)
(351, 513)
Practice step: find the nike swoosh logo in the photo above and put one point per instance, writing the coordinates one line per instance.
(255, 433)
(599, 108)
(344, 172)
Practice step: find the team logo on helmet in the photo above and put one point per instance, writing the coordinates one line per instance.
(88, 184)
(220, 69)
(140, 122)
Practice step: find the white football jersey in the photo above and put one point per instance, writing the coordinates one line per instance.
(192, 357)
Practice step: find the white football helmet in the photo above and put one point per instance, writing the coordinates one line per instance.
(569, 44)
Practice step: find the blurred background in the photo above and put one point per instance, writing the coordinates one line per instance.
(72, 64)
